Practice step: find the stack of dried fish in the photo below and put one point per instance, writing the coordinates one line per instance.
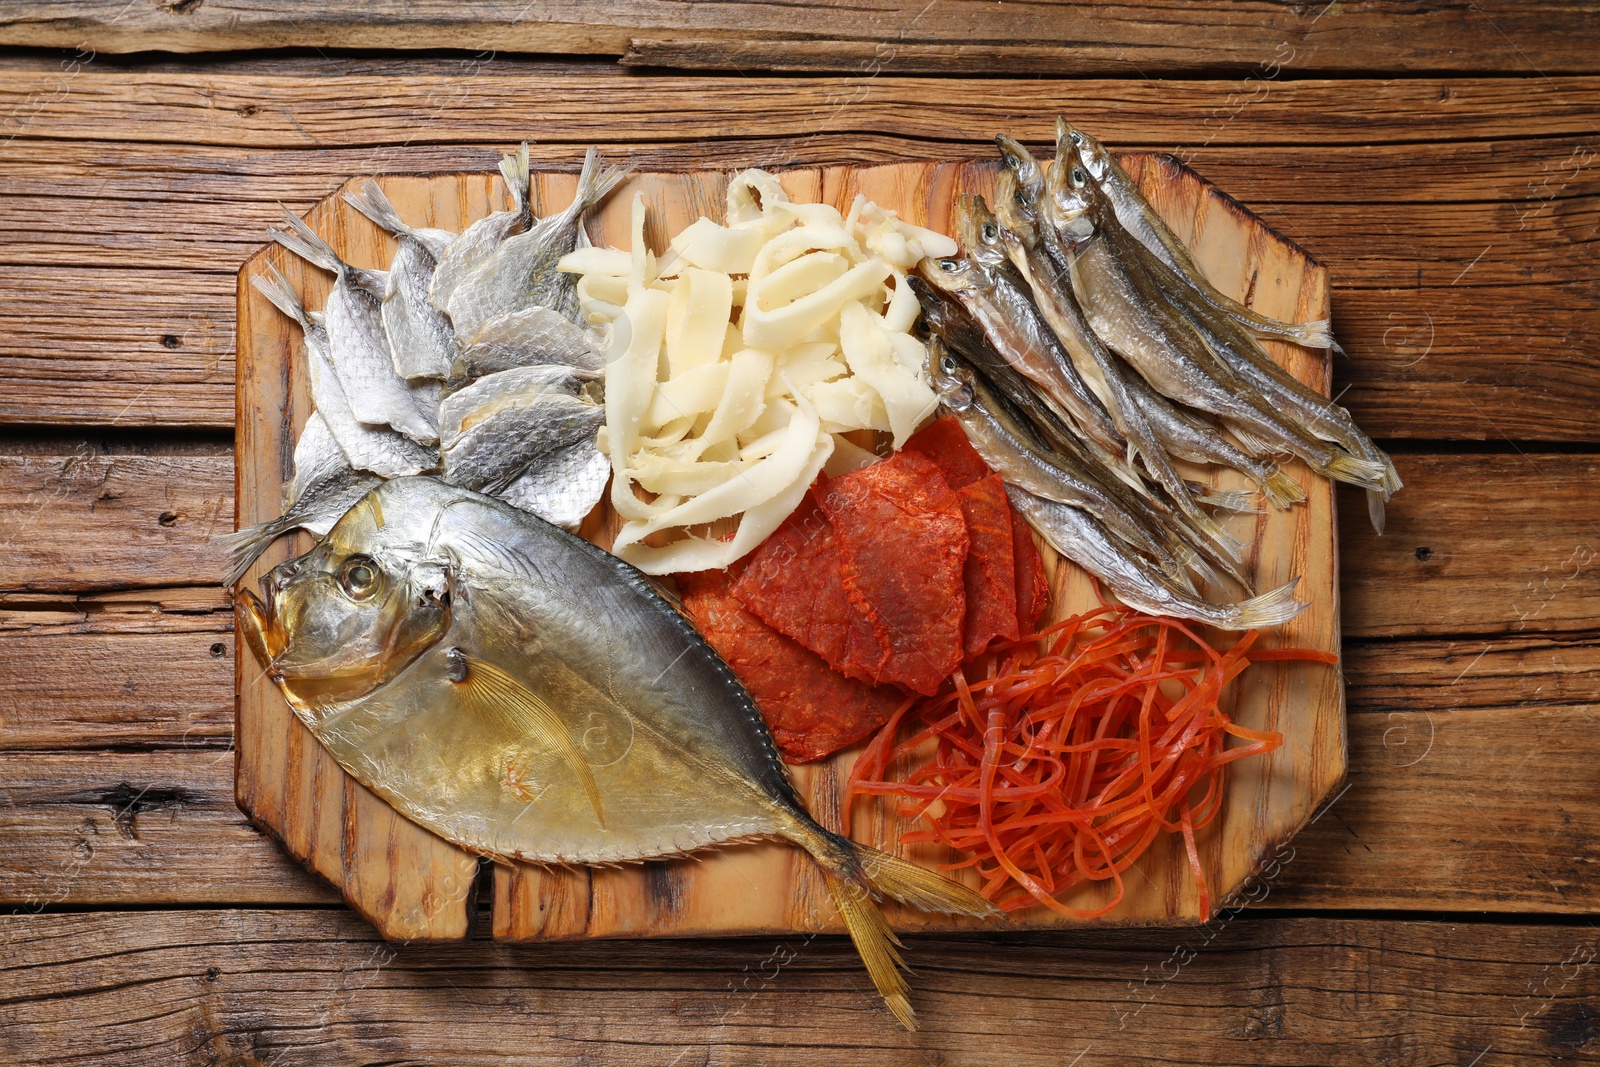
(1084, 351)
(467, 358)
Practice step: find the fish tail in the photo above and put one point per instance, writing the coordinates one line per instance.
(303, 241)
(596, 181)
(372, 202)
(858, 876)
(1271, 608)
(1281, 490)
(1367, 473)
(518, 173)
(1375, 512)
(1316, 334)
(275, 287)
(1213, 532)
(245, 546)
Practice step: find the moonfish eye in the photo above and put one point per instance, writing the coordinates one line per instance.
(991, 232)
(1077, 139)
(948, 364)
(359, 577)
(949, 266)
(1077, 177)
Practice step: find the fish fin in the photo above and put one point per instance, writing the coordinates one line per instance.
(1281, 490)
(875, 942)
(1212, 531)
(1251, 443)
(494, 692)
(919, 887)
(596, 181)
(245, 546)
(1375, 502)
(275, 287)
(1271, 608)
(857, 876)
(1225, 499)
(303, 241)
(1367, 473)
(518, 173)
(371, 201)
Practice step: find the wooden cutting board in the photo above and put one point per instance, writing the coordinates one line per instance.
(413, 885)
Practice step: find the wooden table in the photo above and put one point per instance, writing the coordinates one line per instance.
(1442, 159)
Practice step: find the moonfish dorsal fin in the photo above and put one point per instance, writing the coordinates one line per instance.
(492, 692)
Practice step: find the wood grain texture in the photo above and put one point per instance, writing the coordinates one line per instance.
(137, 828)
(1139, 37)
(308, 989)
(770, 887)
(1432, 723)
(1453, 334)
(1491, 545)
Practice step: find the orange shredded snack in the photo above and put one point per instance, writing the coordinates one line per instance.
(1071, 752)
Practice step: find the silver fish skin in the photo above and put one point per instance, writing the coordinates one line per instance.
(529, 337)
(421, 339)
(1011, 451)
(1026, 244)
(1190, 437)
(358, 343)
(1142, 221)
(521, 270)
(1077, 536)
(322, 488)
(519, 435)
(563, 489)
(530, 697)
(1162, 345)
(479, 240)
(377, 449)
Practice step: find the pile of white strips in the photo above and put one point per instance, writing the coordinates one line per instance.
(739, 358)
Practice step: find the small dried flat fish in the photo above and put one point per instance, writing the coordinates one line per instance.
(521, 270)
(358, 343)
(323, 488)
(481, 238)
(522, 435)
(421, 340)
(377, 449)
(525, 338)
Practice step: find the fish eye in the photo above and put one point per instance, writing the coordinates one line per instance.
(359, 577)
(949, 266)
(948, 364)
(991, 232)
(1077, 139)
(1077, 177)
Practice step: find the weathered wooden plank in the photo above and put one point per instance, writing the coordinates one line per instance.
(1486, 544)
(1432, 724)
(93, 520)
(108, 346)
(1490, 808)
(71, 678)
(136, 828)
(1139, 36)
(309, 987)
(1476, 544)
(1431, 363)
(265, 111)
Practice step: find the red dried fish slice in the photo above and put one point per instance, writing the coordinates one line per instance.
(811, 710)
(990, 575)
(902, 543)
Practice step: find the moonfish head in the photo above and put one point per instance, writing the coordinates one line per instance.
(342, 620)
